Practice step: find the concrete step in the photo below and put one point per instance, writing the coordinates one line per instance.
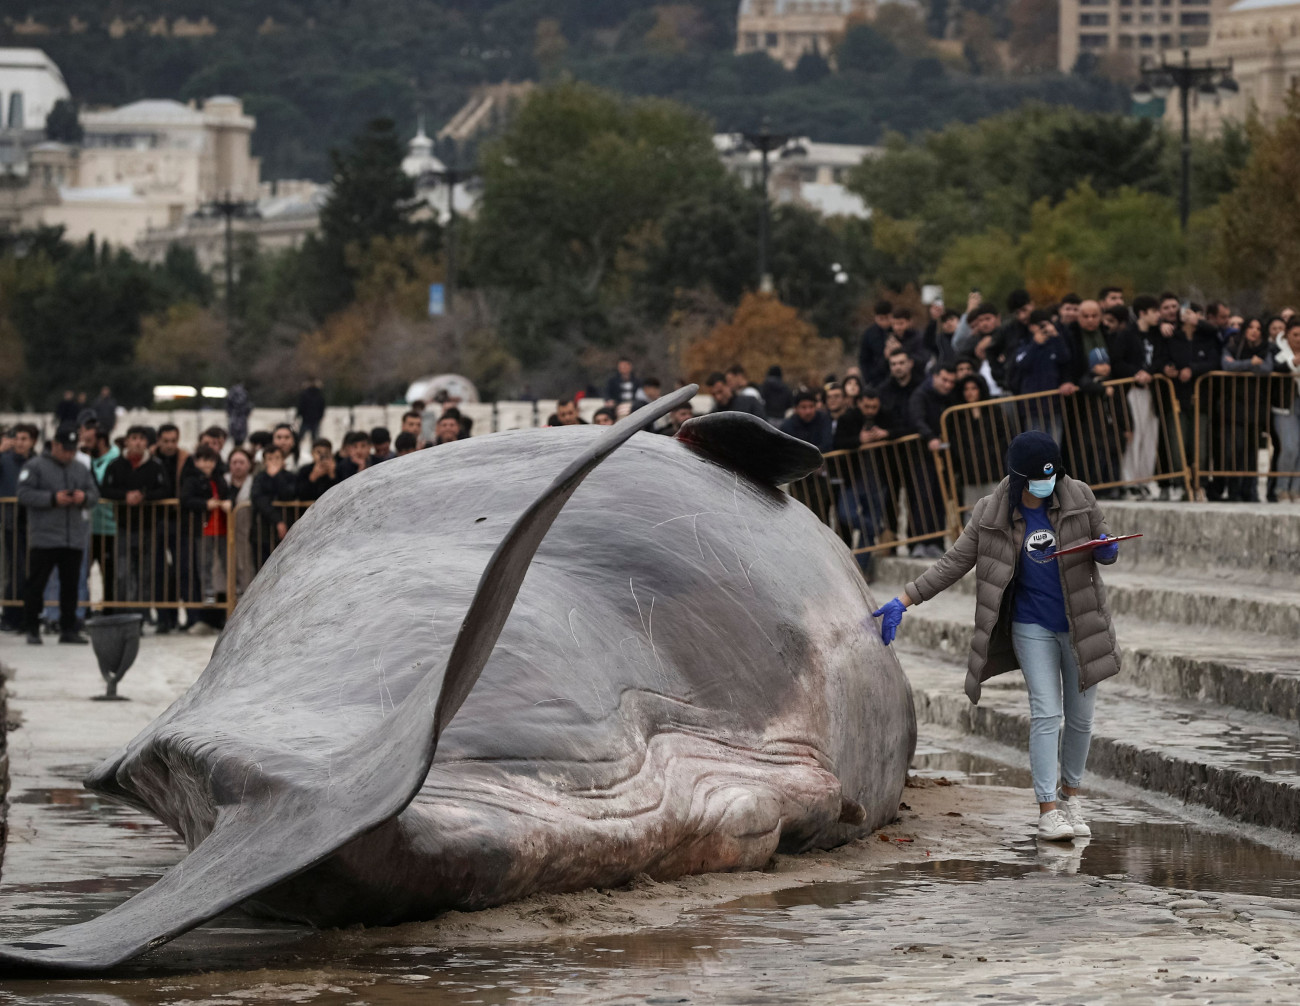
(1193, 598)
(1252, 672)
(1248, 543)
(1243, 765)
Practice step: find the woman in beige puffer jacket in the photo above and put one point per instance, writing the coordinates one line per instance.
(1034, 611)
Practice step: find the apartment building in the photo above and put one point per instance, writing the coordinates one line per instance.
(1132, 27)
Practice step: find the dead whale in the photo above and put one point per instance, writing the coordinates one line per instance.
(463, 679)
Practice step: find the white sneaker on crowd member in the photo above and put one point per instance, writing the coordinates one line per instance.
(1054, 826)
(1072, 807)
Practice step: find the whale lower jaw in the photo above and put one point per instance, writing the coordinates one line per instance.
(480, 835)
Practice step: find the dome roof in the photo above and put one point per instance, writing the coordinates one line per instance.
(778, 7)
(421, 160)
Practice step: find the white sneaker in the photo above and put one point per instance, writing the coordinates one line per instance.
(1054, 826)
(1072, 807)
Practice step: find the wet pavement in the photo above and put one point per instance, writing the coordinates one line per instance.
(1155, 907)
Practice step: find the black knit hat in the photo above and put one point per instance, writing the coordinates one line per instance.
(1032, 455)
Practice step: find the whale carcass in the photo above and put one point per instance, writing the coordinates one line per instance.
(535, 661)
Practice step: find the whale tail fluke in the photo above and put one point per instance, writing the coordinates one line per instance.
(270, 827)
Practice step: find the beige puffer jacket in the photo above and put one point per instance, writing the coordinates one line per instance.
(992, 546)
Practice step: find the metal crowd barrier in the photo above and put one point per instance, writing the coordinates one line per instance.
(879, 496)
(159, 555)
(1129, 435)
(1236, 415)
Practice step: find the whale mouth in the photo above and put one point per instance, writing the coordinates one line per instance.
(274, 824)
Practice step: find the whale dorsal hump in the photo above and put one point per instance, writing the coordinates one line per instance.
(748, 445)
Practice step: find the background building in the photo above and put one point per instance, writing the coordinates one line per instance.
(815, 177)
(786, 29)
(149, 164)
(1133, 28)
(1262, 38)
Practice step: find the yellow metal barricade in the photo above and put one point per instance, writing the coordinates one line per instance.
(1236, 415)
(1122, 433)
(879, 496)
(254, 536)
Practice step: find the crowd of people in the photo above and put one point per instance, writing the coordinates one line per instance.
(88, 498)
(153, 518)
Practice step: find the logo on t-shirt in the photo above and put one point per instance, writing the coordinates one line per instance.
(1040, 546)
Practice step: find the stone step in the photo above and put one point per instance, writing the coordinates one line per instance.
(1252, 672)
(1243, 765)
(1177, 597)
(1256, 543)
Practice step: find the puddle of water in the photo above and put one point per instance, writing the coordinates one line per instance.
(833, 942)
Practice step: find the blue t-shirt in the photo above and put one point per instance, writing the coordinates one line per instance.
(1039, 599)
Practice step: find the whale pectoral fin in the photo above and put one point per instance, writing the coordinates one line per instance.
(746, 444)
(279, 825)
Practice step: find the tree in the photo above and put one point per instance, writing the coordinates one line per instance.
(573, 192)
(968, 179)
(812, 67)
(371, 196)
(1258, 232)
(764, 332)
(63, 125)
(1087, 240)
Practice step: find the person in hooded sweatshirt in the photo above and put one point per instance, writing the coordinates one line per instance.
(1037, 611)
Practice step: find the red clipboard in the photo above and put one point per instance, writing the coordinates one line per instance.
(1096, 542)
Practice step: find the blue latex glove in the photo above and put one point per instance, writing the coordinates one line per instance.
(1105, 553)
(891, 616)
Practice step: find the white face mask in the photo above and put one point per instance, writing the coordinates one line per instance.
(1042, 488)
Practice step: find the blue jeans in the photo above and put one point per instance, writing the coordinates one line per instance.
(1287, 430)
(1052, 677)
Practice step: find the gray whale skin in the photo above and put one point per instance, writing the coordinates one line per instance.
(670, 676)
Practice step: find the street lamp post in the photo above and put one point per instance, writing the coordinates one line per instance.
(766, 142)
(452, 175)
(1158, 81)
(229, 208)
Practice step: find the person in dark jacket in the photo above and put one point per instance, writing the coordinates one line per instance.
(726, 400)
(132, 482)
(59, 495)
(622, 385)
(912, 341)
(929, 401)
(1083, 335)
(1183, 353)
(65, 413)
(896, 394)
(1041, 364)
(319, 475)
(1243, 409)
(979, 440)
(809, 423)
(1098, 425)
(24, 437)
(311, 410)
(778, 399)
(205, 501)
(873, 362)
(273, 484)
(813, 426)
(106, 410)
(239, 406)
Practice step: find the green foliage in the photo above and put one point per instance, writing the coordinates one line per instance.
(1257, 239)
(77, 311)
(315, 70)
(1128, 238)
(571, 190)
(991, 176)
(62, 124)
